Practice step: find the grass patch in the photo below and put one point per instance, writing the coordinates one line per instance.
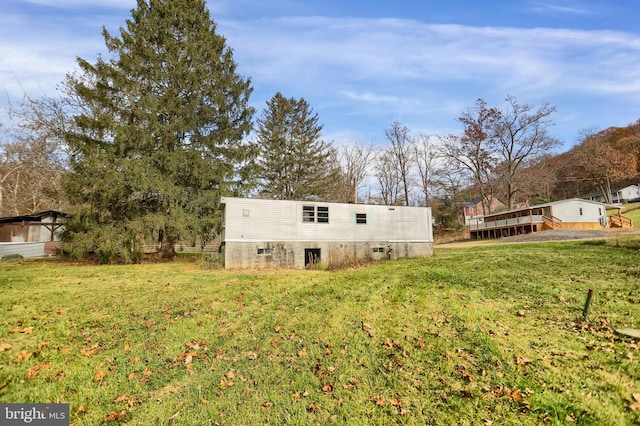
(469, 336)
(632, 211)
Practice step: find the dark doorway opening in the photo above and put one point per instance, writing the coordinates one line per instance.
(311, 257)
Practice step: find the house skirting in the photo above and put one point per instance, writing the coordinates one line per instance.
(296, 254)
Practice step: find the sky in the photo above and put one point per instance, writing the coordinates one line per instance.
(361, 65)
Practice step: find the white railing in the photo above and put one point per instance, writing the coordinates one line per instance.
(514, 221)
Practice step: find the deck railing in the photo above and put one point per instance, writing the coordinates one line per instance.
(619, 221)
(502, 223)
(552, 222)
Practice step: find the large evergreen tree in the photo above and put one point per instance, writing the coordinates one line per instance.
(159, 134)
(294, 162)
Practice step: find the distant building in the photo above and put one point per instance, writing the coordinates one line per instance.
(618, 196)
(473, 209)
(574, 213)
(259, 233)
(31, 235)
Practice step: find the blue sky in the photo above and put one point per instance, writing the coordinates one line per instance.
(364, 64)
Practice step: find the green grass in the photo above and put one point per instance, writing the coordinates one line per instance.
(633, 211)
(470, 336)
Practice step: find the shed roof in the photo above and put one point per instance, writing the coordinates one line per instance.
(33, 217)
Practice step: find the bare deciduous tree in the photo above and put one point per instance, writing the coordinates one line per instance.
(400, 148)
(355, 161)
(521, 136)
(388, 178)
(425, 156)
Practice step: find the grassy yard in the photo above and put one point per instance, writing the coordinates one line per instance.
(482, 335)
(633, 211)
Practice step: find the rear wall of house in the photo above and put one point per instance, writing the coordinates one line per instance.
(278, 254)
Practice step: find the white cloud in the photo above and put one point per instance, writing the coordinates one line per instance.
(359, 73)
(562, 9)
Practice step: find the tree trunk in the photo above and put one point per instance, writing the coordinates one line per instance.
(167, 245)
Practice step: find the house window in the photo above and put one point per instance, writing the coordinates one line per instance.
(378, 249)
(599, 211)
(313, 214)
(361, 218)
(308, 214)
(580, 211)
(265, 251)
(323, 214)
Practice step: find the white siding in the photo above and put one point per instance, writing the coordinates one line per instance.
(276, 220)
(23, 249)
(569, 210)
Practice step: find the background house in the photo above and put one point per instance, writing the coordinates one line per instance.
(618, 196)
(295, 234)
(473, 209)
(31, 235)
(575, 213)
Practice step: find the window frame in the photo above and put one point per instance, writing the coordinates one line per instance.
(322, 214)
(308, 214)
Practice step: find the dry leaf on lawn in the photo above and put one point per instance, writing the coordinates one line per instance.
(99, 375)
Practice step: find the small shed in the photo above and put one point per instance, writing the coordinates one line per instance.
(31, 235)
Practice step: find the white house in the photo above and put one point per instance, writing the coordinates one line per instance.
(620, 195)
(259, 233)
(574, 213)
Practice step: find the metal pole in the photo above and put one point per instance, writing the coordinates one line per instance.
(587, 304)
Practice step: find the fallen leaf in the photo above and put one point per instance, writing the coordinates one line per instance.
(147, 371)
(266, 405)
(523, 360)
(99, 375)
(388, 344)
(312, 407)
(82, 409)
(327, 387)
(516, 395)
(224, 383)
(23, 356)
(302, 352)
(90, 350)
(395, 402)
(378, 400)
(4, 347)
(27, 330)
(635, 405)
(115, 416)
(42, 345)
(36, 369)
(127, 347)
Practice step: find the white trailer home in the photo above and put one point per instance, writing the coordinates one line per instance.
(574, 213)
(260, 233)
